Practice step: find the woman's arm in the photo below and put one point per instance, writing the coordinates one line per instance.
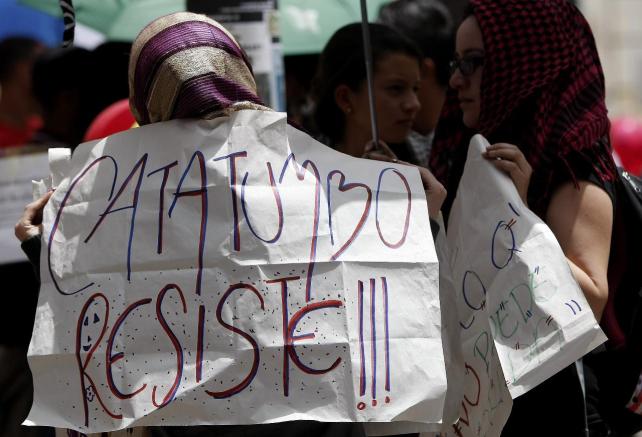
(582, 220)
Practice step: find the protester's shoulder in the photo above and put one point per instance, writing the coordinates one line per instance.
(583, 168)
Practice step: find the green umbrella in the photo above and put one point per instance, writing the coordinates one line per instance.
(118, 20)
(306, 25)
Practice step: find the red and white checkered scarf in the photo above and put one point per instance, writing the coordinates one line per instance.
(542, 89)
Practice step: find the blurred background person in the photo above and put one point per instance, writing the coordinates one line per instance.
(62, 84)
(342, 111)
(73, 86)
(429, 25)
(19, 117)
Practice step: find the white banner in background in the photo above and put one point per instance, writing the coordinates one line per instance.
(522, 314)
(16, 173)
(235, 271)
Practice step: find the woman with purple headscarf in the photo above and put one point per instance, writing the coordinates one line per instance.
(186, 65)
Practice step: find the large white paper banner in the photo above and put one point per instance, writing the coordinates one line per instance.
(522, 314)
(179, 258)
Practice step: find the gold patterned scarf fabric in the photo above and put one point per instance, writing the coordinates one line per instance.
(187, 65)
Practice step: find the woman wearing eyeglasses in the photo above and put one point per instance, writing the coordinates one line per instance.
(527, 76)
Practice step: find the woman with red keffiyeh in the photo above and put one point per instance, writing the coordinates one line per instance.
(527, 76)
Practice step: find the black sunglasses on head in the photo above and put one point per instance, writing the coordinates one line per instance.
(467, 64)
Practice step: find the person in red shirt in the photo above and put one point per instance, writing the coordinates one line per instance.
(19, 117)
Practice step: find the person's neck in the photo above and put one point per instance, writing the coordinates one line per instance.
(354, 141)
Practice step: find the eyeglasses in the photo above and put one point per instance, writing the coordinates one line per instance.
(466, 65)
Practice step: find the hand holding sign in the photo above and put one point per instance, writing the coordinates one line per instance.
(30, 224)
(435, 191)
(509, 159)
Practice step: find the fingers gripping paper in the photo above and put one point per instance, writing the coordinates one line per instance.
(522, 315)
(235, 271)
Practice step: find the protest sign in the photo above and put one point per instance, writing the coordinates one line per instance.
(235, 271)
(522, 315)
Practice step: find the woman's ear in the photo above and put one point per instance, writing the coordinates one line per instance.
(343, 97)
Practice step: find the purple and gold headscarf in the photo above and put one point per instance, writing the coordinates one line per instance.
(187, 65)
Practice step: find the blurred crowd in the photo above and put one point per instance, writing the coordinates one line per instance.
(50, 96)
(536, 92)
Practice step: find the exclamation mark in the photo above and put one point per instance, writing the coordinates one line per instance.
(373, 341)
(384, 285)
(362, 374)
(373, 337)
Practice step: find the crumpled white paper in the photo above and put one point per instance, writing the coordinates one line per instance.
(522, 315)
(179, 258)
